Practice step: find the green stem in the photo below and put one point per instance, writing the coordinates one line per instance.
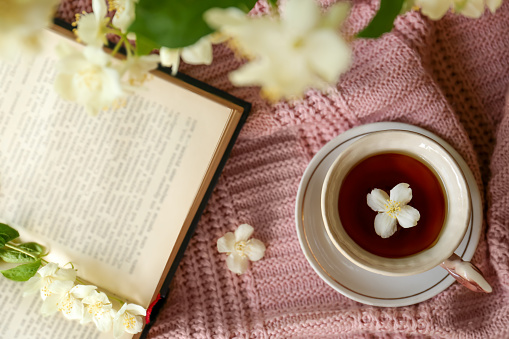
(115, 31)
(130, 48)
(117, 47)
(16, 248)
(122, 302)
(83, 282)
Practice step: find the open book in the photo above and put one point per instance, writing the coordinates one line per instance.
(118, 195)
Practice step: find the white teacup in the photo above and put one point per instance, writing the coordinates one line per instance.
(457, 216)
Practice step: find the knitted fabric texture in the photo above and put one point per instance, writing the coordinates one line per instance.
(450, 77)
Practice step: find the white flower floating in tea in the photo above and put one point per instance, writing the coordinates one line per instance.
(239, 249)
(393, 209)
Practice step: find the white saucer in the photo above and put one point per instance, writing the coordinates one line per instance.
(348, 279)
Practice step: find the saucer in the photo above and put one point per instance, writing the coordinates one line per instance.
(341, 274)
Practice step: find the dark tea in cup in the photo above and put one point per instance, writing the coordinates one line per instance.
(384, 171)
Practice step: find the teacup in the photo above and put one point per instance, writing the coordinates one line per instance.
(456, 218)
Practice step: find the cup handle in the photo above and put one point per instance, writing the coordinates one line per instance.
(466, 273)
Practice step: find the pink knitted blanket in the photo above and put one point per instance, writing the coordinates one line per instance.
(449, 77)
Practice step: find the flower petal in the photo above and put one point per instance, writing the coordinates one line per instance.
(199, 53)
(493, 5)
(170, 58)
(95, 297)
(82, 291)
(401, 193)
(254, 73)
(74, 309)
(472, 9)
(218, 17)
(136, 327)
(237, 263)
(377, 200)
(32, 286)
(50, 305)
(336, 14)
(120, 312)
(89, 30)
(226, 244)
(408, 216)
(118, 326)
(99, 8)
(335, 57)
(136, 309)
(255, 249)
(385, 226)
(123, 19)
(97, 56)
(434, 9)
(66, 274)
(87, 317)
(48, 270)
(301, 16)
(60, 287)
(243, 232)
(104, 321)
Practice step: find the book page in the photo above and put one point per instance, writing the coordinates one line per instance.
(108, 193)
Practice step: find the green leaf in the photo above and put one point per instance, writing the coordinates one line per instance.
(12, 256)
(144, 46)
(177, 23)
(33, 248)
(22, 272)
(7, 233)
(383, 21)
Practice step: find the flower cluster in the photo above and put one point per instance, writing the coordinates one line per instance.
(288, 54)
(21, 23)
(436, 9)
(60, 293)
(92, 77)
(295, 46)
(96, 79)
